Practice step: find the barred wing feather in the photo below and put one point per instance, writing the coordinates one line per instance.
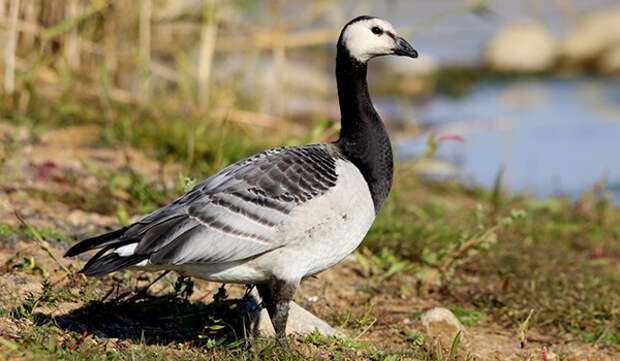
(239, 212)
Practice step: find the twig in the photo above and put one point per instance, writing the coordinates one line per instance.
(455, 254)
(606, 330)
(59, 279)
(39, 239)
(467, 245)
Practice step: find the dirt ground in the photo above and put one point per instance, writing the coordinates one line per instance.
(35, 184)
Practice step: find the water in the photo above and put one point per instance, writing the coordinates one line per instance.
(552, 136)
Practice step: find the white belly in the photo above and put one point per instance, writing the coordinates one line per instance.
(319, 234)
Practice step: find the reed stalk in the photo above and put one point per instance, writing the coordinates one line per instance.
(144, 50)
(208, 37)
(72, 39)
(2, 19)
(30, 10)
(9, 50)
(110, 50)
(279, 59)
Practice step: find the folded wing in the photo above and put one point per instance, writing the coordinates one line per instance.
(238, 213)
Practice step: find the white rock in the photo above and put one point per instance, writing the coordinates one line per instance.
(596, 33)
(441, 324)
(300, 322)
(610, 61)
(522, 47)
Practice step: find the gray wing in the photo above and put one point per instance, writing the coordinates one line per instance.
(237, 213)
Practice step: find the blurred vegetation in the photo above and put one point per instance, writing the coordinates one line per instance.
(149, 64)
(87, 55)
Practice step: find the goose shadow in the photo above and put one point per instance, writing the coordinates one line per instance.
(151, 320)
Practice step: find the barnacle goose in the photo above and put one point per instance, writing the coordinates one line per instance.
(282, 214)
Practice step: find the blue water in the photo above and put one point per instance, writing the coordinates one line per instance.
(552, 136)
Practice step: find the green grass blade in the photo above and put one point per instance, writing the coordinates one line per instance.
(39, 239)
(455, 346)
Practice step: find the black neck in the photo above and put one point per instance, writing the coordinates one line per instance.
(363, 138)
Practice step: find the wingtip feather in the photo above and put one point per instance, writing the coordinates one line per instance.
(110, 263)
(95, 242)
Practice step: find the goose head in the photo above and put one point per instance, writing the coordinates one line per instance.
(366, 37)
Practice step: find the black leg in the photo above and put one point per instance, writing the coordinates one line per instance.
(276, 297)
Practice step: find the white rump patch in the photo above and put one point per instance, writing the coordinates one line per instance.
(363, 44)
(127, 250)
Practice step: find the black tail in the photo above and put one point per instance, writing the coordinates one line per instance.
(114, 238)
(102, 263)
(99, 266)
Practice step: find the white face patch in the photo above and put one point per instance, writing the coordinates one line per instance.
(363, 44)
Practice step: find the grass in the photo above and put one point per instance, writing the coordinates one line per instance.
(7, 229)
(490, 258)
(561, 261)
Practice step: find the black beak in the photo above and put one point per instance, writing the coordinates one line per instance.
(404, 48)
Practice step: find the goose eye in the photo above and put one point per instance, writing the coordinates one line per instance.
(376, 30)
